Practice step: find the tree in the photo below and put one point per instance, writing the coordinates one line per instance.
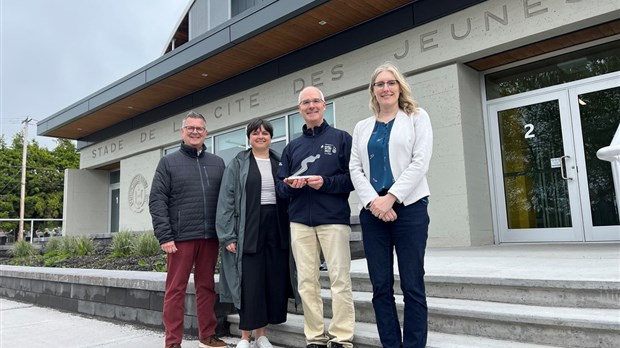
(44, 180)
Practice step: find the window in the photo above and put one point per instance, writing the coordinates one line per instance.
(573, 66)
(115, 177)
(238, 6)
(278, 142)
(171, 149)
(114, 200)
(228, 145)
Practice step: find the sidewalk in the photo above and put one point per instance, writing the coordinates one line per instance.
(26, 325)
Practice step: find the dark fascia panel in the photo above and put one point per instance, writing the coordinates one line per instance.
(390, 24)
(428, 11)
(215, 41)
(69, 114)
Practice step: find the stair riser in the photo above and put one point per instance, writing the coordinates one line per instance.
(543, 296)
(296, 338)
(553, 297)
(561, 336)
(441, 320)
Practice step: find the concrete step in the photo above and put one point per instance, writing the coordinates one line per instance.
(290, 334)
(544, 292)
(568, 327)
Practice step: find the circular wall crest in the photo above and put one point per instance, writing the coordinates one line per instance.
(138, 193)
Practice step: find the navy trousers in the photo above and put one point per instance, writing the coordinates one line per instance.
(407, 235)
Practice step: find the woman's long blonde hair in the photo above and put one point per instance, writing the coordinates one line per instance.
(405, 99)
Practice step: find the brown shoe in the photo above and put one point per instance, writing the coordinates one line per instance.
(212, 342)
(176, 345)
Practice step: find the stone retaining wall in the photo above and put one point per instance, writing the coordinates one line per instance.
(128, 296)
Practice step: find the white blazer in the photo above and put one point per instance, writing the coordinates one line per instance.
(410, 150)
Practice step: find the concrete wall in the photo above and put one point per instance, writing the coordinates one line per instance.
(136, 178)
(475, 161)
(86, 202)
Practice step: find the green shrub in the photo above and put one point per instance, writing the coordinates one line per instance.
(67, 245)
(81, 246)
(146, 244)
(23, 249)
(122, 244)
(84, 246)
(53, 246)
(51, 259)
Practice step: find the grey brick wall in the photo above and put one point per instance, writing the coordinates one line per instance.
(127, 296)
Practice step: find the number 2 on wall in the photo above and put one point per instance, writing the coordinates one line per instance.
(529, 131)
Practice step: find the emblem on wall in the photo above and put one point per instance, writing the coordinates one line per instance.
(138, 193)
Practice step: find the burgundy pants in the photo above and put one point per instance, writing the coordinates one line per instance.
(203, 254)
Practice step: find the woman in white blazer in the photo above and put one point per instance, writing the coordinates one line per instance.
(389, 160)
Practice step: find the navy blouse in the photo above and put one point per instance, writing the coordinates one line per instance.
(381, 177)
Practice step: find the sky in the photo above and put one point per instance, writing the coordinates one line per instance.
(54, 53)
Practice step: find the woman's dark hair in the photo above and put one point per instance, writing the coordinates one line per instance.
(256, 123)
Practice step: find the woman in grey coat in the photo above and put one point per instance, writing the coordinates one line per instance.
(252, 225)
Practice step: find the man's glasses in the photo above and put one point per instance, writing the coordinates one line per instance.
(390, 84)
(307, 102)
(193, 129)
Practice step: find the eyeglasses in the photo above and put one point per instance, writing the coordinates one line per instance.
(307, 102)
(193, 129)
(390, 84)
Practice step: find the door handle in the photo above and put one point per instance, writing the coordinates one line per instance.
(563, 167)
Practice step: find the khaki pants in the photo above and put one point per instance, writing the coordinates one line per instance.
(333, 240)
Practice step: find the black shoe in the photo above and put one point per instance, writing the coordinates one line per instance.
(323, 266)
(336, 345)
(314, 345)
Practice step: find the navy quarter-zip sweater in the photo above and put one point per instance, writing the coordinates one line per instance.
(329, 204)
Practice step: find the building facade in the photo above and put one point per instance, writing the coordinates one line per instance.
(521, 95)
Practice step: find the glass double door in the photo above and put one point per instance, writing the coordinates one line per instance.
(550, 185)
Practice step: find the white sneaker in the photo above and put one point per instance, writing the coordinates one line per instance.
(243, 344)
(263, 342)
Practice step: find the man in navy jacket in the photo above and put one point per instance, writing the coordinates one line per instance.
(314, 174)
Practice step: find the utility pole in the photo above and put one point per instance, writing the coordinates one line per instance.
(22, 197)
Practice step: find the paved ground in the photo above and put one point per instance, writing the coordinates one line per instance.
(25, 325)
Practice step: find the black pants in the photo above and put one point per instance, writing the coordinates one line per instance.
(265, 277)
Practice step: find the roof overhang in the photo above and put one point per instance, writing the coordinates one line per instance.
(261, 44)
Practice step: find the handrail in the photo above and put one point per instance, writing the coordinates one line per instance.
(32, 220)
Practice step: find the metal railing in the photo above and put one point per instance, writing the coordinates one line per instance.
(31, 220)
